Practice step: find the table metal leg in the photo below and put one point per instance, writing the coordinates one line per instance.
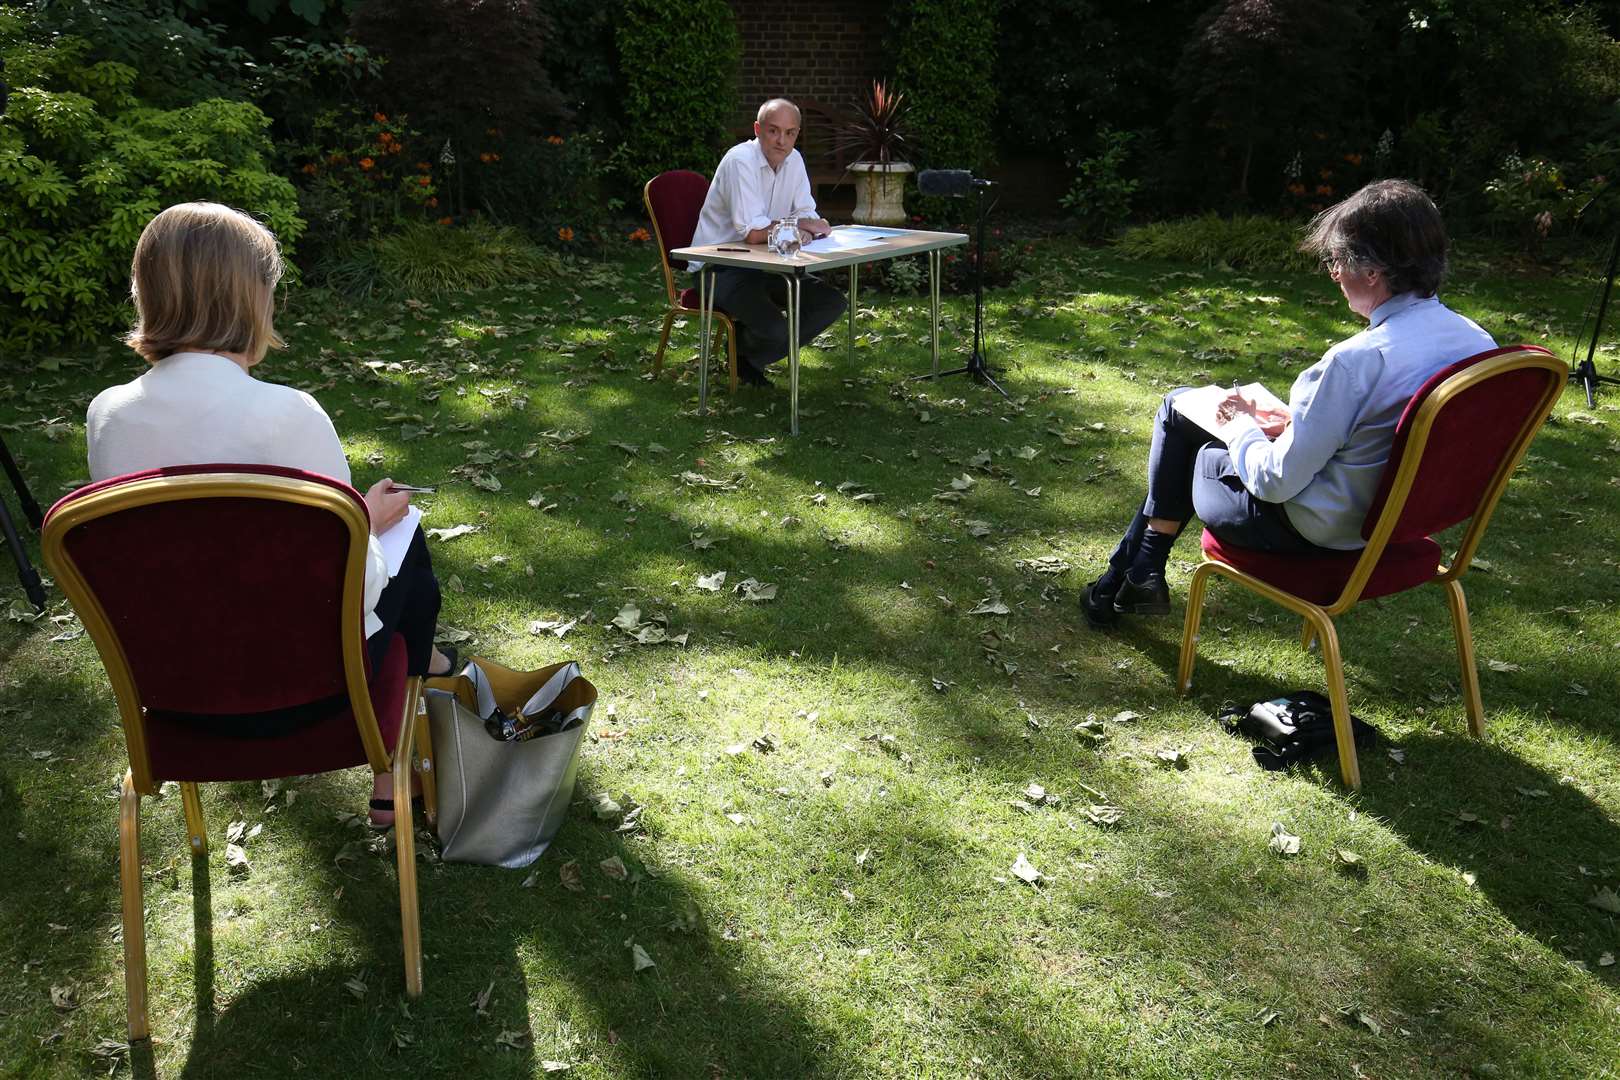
(795, 286)
(854, 283)
(933, 304)
(706, 327)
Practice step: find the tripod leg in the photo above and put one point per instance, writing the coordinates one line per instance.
(30, 508)
(25, 569)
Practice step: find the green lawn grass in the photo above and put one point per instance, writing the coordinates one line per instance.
(842, 905)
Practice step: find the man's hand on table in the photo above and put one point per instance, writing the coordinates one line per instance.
(815, 228)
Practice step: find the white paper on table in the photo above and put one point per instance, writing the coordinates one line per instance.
(841, 240)
(397, 540)
(873, 230)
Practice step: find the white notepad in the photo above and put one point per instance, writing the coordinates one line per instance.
(397, 540)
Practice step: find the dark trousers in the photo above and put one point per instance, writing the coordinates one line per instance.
(1190, 472)
(756, 300)
(409, 606)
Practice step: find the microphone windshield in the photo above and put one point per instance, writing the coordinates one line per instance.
(945, 182)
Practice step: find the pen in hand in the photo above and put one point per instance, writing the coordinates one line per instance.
(408, 487)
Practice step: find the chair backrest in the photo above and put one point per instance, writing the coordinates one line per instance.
(219, 591)
(1455, 447)
(674, 200)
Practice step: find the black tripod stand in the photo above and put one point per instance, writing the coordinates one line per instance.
(1585, 372)
(977, 368)
(25, 569)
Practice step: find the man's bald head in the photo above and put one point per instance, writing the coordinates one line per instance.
(776, 104)
(777, 129)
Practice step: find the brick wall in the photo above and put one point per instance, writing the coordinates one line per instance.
(828, 51)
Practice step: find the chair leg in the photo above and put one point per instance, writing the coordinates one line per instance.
(196, 830)
(731, 352)
(424, 768)
(1343, 733)
(129, 882)
(663, 341)
(1307, 635)
(1465, 658)
(1189, 632)
(405, 843)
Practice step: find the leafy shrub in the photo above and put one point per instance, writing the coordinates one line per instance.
(946, 63)
(1101, 194)
(550, 187)
(84, 165)
(461, 67)
(1526, 197)
(178, 56)
(583, 59)
(679, 61)
(1242, 243)
(361, 176)
(1257, 80)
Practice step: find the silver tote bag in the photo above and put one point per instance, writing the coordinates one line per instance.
(501, 803)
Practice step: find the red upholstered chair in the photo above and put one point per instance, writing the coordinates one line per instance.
(1456, 445)
(221, 596)
(674, 200)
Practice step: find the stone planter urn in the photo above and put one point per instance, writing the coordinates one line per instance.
(880, 192)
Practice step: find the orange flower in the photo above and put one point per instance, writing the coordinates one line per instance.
(310, 168)
(554, 140)
(422, 166)
(337, 159)
(1296, 188)
(445, 220)
(486, 157)
(1354, 159)
(494, 157)
(385, 137)
(1324, 189)
(381, 118)
(565, 234)
(366, 163)
(641, 236)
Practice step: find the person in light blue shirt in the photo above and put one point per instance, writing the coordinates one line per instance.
(1300, 481)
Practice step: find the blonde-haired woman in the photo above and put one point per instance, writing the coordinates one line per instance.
(203, 281)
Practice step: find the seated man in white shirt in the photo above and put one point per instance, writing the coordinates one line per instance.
(759, 182)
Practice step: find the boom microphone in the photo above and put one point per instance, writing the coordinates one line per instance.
(948, 182)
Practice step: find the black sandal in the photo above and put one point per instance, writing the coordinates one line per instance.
(452, 654)
(418, 807)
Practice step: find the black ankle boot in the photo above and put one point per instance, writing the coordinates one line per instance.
(1148, 597)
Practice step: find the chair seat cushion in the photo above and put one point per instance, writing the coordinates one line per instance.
(195, 748)
(1320, 578)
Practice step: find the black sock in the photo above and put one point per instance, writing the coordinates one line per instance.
(1152, 555)
(1114, 576)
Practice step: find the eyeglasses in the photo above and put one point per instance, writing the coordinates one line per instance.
(1334, 264)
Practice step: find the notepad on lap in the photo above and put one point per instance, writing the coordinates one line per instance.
(397, 540)
(1199, 404)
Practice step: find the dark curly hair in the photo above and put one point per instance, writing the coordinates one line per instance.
(1390, 226)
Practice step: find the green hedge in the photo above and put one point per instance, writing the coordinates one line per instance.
(945, 65)
(84, 166)
(679, 61)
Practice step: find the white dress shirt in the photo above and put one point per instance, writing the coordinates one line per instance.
(747, 194)
(201, 408)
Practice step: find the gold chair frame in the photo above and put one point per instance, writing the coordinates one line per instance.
(1318, 619)
(138, 779)
(726, 326)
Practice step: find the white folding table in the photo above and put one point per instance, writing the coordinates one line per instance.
(852, 245)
